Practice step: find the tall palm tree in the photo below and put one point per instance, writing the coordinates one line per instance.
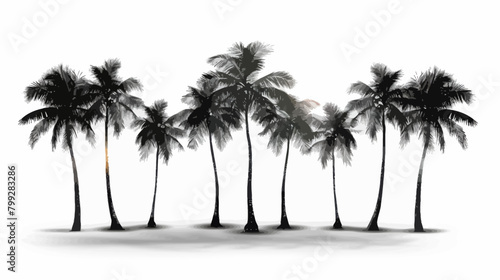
(378, 104)
(64, 94)
(334, 133)
(284, 125)
(429, 99)
(112, 103)
(209, 115)
(157, 130)
(238, 70)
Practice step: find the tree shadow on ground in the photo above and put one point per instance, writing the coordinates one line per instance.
(383, 230)
(202, 236)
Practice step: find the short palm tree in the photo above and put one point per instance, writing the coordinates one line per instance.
(334, 133)
(284, 125)
(378, 104)
(112, 102)
(157, 130)
(430, 97)
(63, 92)
(209, 115)
(238, 70)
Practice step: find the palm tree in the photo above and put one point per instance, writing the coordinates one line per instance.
(284, 125)
(112, 103)
(63, 92)
(377, 105)
(157, 130)
(334, 133)
(429, 99)
(238, 70)
(210, 116)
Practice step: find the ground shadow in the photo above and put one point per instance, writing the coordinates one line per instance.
(292, 228)
(382, 230)
(224, 226)
(55, 230)
(106, 229)
(232, 236)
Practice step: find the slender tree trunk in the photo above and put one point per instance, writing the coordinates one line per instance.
(215, 219)
(418, 218)
(77, 224)
(373, 225)
(115, 224)
(151, 223)
(284, 219)
(251, 225)
(337, 224)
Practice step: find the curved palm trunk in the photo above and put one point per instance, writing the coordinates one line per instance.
(418, 219)
(215, 219)
(373, 225)
(284, 219)
(77, 224)
(337, 224)
(251, 225)
(115, 224)
(151, 223)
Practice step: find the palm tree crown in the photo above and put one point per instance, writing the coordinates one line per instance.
(379, 100)
(157, 130)
(288, 121)
(333, 133)
(64, 93)
(209, 112)
(239, 70)
(112, 94)
(429, 99)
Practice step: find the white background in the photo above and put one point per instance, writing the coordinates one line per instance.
(166, 45)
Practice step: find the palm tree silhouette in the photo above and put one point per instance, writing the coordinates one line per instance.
(238, 70)
(64, 94)
(334, 133)
(112, 103)
(209, 115)
(377, 105)
(428, 99)
(157, 130)
(284, 125)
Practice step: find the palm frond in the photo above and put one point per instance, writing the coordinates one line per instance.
(56, 131)
(44, 113)
(39, 129)
(361, 88)
(324, 151)
(457, 117)
(395, 116)
(275, 79)
(456, 131)
(130, 84)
